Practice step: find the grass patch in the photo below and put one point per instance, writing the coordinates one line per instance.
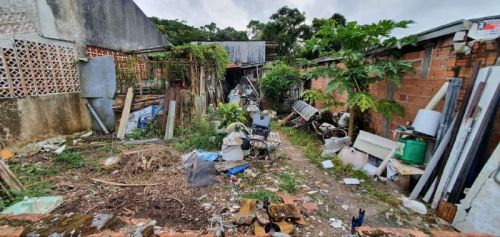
(200, 134)
(31, 176)
(70, 159)
(288, 183)
(108, 148)
(261, 194)
(312, 148)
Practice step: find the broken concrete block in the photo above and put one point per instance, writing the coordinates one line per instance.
(100, 220)
(11, 231)
(262, 217)
(279, 212)
(247, 212)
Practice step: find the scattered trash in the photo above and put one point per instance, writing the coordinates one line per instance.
(334, 144)
(225, 165)
(35, 205)
(312, 192)
(262, 217)
(113, 160)
(206, 205)
(199, 172)
(370, 169)
(274, 229)
(357, 222)
(6, 154)
(237, 169)
(247, 212)
(414, 205)
(345, 207)
(100, 220)
(357, 159)
(206, 155)
(248, 173)
(337, 223)
(279, 212)
(141, 118)
(327, 164)
(351, 181)
(231, 147)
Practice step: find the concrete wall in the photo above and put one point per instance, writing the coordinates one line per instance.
(112, 24)
(17, 19)
(35, 118)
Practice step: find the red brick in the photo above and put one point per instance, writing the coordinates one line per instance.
(384, 231)
(435, 233)
(24, 217)
(9, 231)
(108, 233)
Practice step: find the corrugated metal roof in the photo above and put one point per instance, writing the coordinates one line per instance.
(244, 52)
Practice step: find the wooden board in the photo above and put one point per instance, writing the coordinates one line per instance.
(225, 165)
(9, 178)
(446, 211)
(125, 114)
(169, 129)
(404, 169)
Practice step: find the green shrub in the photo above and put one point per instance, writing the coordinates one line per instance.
(230, 113)
(149, 131)
(278, 80)
(200, 134)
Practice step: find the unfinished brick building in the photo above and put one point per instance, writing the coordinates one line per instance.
(436, 58)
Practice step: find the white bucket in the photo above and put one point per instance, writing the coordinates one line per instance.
(427, 122)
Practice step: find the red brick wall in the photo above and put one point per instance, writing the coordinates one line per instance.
(320, 84)
(416, 89)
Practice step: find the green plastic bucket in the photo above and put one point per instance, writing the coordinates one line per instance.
(411, 151)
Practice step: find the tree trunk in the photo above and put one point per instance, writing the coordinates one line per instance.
(350, 130)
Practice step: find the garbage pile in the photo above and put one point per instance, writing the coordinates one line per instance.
(257, 142)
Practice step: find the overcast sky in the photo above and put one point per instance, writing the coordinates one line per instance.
(237, 13)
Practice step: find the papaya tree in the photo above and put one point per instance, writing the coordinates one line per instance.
(355, 70)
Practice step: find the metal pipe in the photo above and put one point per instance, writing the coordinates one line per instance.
(96, 117)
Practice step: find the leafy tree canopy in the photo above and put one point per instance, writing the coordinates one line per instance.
(286, 27)
(350, 45)
(179, 32)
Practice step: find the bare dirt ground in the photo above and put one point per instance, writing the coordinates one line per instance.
(342, 201)
(171, 203)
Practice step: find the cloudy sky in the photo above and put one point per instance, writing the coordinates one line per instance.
(237, 13)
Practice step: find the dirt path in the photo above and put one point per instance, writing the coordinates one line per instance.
(340, 201)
